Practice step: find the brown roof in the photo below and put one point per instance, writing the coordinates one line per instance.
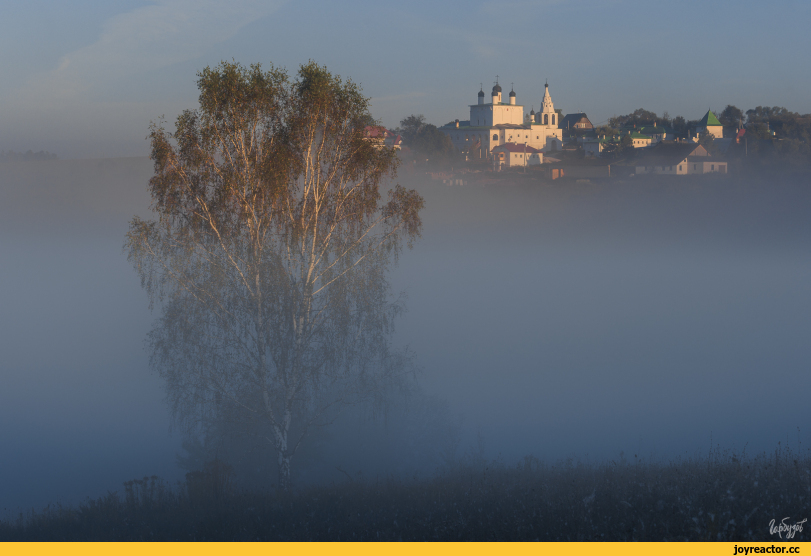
(669, 153)
(570, 120)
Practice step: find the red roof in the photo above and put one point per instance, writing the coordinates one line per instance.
(375, 131)
(513, 148)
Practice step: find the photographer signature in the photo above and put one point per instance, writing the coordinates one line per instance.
(783, 527)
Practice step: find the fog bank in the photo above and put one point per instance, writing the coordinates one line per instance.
(556, 319)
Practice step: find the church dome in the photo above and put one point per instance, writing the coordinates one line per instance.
(512, 93)
(496, 89)
(532, 112)
(481, 93)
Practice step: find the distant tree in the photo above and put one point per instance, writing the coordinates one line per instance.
(679, 125)
(639, 117)
(731, 117)
(626, 144)
(433, 144)
(605, 130)
(368, 120)
(764, 114)
(410, 126)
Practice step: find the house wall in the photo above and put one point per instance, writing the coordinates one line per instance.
(716, 131)
(518, 159)
(712, 167)
(593, 148)
(538, 137)
(665, 170)
(685, 167)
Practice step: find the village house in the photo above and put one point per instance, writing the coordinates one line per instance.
(576, 122)
(676, 158)
(640, 140)
(511, 154)
(658, 133)
(379, 136)
(594, 146)
(710, 124)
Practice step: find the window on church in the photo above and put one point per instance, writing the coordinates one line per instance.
(546, 119)
(495, 137)
(553, 119)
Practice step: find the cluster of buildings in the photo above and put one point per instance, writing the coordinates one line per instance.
(382, 137)
(501, 131)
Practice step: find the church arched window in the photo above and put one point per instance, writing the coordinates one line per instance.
(546, 119)
(553, 119)
(495, 137)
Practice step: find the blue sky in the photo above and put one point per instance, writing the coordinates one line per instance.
(84, 78)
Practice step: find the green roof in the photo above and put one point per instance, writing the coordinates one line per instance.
(709, 119)
(636, 135)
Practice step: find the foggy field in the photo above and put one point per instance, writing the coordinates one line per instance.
(722, 497)
(550, 320)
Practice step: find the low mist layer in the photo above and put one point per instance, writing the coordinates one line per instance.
(555, 319)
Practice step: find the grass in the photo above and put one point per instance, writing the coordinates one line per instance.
(723, 497)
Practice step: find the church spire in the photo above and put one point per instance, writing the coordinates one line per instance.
(547, 105)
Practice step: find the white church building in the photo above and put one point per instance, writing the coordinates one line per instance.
(498, 123)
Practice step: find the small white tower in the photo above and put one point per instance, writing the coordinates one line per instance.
(548, 115)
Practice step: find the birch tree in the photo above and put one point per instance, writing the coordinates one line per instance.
(269, 253)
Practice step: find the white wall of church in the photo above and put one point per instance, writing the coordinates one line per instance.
(489, 115)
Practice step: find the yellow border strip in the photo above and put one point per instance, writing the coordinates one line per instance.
(404, 549)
